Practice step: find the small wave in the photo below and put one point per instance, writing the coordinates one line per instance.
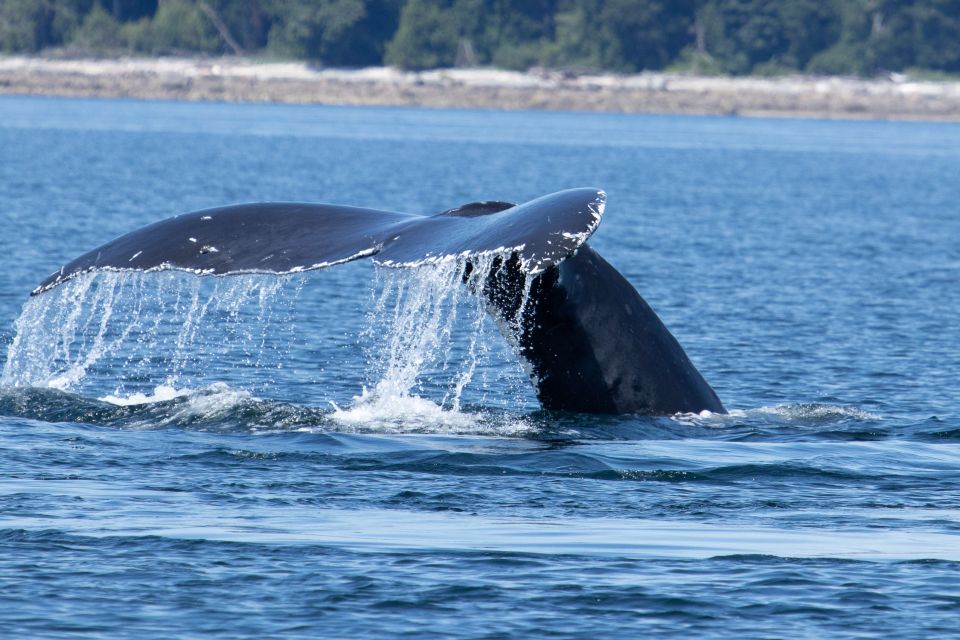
(385, 530)
(217, 406)
(810, 414)
(948, 434)
(161, 393)
(213, 402)
(705, 418)
(220, 407)
(789, 421)
(813, 412)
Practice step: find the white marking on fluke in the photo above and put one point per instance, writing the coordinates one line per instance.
(132, 258)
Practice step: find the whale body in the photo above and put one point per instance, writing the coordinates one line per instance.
(589, 340)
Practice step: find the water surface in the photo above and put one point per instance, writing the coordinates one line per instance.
(214, 460)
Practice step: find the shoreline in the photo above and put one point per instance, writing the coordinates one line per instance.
(240, 80)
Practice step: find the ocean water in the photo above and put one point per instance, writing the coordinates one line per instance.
(355, 452)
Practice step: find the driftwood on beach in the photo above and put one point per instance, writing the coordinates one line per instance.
(238, 80)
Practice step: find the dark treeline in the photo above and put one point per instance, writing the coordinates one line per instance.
(705, 36)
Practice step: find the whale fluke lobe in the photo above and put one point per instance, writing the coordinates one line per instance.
(283, 238)
(591, 343)
(276, 237)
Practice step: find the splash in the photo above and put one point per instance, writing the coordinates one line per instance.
(137, 328)
(402, 414)
(429, 336)
(432, 356)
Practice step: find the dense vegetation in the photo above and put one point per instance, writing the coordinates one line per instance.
(707, 36)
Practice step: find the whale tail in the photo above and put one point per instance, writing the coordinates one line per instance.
(591, 342)
(283, 238)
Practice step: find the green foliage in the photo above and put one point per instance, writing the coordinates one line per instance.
(427, 36)
(179, 25)
(520, 55)
(20, 22)
(308, 29)
(693, 62)
(809, 26)
(138, 35)
(31, 25)
(936, 21)
(99, 31)
(246, 21)
(334, 32)
(642, 34)
(842, 59)
(742, 34)
(761, 37)
(577, 44)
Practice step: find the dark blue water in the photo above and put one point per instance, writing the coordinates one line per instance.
(262, 458)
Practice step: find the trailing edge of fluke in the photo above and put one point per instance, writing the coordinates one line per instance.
(591, 342)
(284, 238)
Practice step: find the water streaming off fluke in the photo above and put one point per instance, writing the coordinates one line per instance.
(134, 337)
(128, 332)
(428, 337)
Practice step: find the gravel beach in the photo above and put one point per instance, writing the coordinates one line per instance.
(241, 80)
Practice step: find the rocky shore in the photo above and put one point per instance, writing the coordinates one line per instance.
(240, 80)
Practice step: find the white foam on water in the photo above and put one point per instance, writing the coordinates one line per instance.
(161, 393)
(399, 414)
(786, 414)
(371, 413)
(202, 406)
(215, 401)
(814, 411)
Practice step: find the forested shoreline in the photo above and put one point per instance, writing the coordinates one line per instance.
(736, 37)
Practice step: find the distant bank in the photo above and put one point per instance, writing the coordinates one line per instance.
(238, 80)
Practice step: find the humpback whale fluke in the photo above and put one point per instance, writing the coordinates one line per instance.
(591, 342)
(283, 237)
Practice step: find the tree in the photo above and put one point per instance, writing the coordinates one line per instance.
(643, 34)
(731, 36)
(31, 25)
(755, 34)
(179, 25)
(426, 37)
(936, 34)
(809, 26)
(100, 30)
(335, 32)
